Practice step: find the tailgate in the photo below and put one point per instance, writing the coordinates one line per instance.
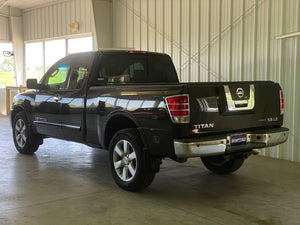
(234, 106)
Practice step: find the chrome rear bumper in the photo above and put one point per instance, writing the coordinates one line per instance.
(218, 145)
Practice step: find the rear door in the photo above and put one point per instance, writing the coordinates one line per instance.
(73, 98)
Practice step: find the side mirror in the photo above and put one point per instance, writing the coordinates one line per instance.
(32, 84)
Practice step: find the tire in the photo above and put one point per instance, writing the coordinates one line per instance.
(127, 161)
(218, 164)
(25, 141)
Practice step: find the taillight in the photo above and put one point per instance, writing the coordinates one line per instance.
(281, 102)
(179, 108)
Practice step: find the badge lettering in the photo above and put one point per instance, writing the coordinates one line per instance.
(204, 126)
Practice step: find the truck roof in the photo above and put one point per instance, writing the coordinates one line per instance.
(133, 51)
(113, 51)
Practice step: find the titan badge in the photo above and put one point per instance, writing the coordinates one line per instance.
(202, 126)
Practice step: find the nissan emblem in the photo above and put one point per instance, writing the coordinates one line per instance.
(240, 92)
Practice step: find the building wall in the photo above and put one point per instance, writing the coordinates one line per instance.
(222, 40)
(53, 21)
(4, 33)
(103, 23)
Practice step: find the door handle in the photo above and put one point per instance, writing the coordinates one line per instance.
(57, 98)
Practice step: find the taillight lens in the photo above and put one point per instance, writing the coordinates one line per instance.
(179, 108)
(281, 102)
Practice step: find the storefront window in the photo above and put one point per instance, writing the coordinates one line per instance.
(34, 60)
(7, 72)
(76, 45)
(54, 50)
(40, 56)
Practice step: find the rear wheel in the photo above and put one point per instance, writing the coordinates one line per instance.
(219, 164)
(128, 162)
(25, 141)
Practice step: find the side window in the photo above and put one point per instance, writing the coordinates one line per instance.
(77, 77)
(58, 77)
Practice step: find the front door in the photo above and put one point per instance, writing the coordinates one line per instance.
(47, 110)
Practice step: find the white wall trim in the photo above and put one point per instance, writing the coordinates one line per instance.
(90, 34)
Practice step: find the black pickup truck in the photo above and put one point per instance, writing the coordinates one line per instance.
(131, 103)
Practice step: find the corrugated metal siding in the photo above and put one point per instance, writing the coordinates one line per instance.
(222, 40)
(4, 29)
(54, 20)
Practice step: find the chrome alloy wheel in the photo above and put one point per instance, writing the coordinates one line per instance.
(20, 132)
(124, 159)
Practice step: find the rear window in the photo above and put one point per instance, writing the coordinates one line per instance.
(137, 68)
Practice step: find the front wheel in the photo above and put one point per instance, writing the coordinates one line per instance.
(25, 141)
(219, 164)
(128, 162)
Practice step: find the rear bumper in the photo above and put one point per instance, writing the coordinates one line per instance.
(220, 144)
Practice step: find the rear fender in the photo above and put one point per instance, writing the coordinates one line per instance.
(117, 121)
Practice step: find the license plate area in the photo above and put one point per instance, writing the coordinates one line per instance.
(238, 139)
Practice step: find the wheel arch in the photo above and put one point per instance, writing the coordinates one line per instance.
(116, 122)
(15, 111)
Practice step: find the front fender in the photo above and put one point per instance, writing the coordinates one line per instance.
(23, 102)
